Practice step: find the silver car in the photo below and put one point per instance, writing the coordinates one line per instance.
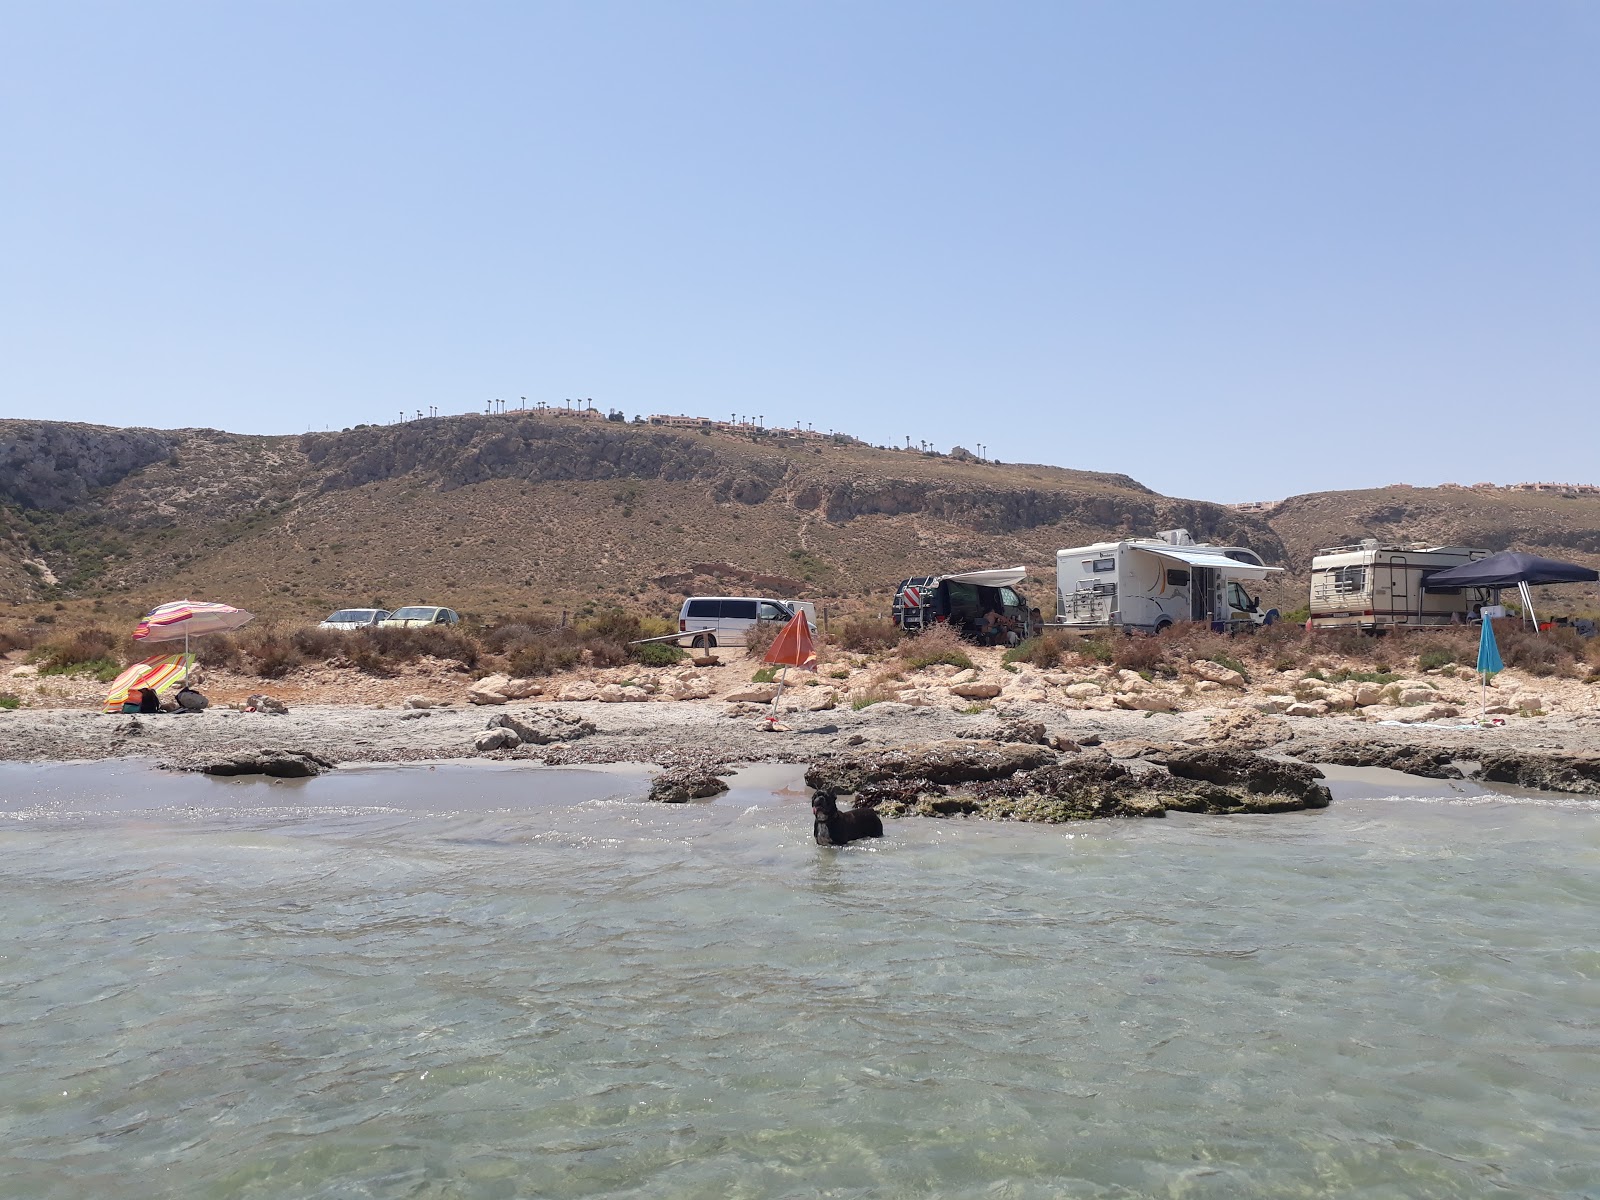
(354, 618)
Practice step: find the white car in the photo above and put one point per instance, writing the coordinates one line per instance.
(722, 620)
(354, 618)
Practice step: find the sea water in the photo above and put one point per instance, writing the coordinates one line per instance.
(507, 981)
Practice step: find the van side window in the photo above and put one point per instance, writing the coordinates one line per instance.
(1427, 575)
(768, 611)
(705, 608)
(742, 609)
(1009, 598)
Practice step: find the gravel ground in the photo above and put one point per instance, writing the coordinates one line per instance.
(678, 734)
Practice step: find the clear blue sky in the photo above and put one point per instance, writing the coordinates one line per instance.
(1236, 250)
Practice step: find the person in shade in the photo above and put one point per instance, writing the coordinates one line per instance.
(132, 701)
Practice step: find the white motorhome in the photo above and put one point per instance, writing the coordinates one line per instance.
(1149, 584)
(1375, 585)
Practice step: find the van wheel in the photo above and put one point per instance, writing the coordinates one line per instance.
(704, 641)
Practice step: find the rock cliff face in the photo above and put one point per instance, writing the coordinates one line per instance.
(53, 466)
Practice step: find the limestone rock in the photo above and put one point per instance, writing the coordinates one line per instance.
(579, 689)
(540, 727)
(1247, 729)
(1413, 760)
(496, 739)
(1307, 708)
(491, 689)
(279, 764)
(753, 693)
(418, 702)
(1149, 702)
(976, 691)
(1579, 773)
(1256, 773)
(1216, 673)
(682, 784)
(1368, 694)
(1131, 681)
(613, 693)
(961, 677)
(268, 704)
(689, 687)
(1415, 694)
(1082, 691)
(947, 762)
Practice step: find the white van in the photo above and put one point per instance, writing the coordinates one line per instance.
(722, 620)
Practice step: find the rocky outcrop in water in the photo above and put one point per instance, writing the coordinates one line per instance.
(279, 764)
(1430, 762)
(1023, 782)
(1549, 772)
(679, 785)
(1257, 774)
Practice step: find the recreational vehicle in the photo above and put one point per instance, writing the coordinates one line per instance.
(1377, 586)
(964, 600)
(1148, 584)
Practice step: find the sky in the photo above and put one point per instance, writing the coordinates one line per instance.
(1235, 250)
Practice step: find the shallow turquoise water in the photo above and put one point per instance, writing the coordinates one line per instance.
(502, 982)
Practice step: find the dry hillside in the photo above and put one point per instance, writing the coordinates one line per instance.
(496, 515)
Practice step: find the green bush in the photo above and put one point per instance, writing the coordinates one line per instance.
(656, 654)
(1432, 660)
(103, 669)
(8, 701)
(1044, 651)
(1097, 649)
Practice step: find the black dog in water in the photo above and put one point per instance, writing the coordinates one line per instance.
(834, 828)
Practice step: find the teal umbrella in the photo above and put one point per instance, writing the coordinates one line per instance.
(1489, 650)
(1488, 664)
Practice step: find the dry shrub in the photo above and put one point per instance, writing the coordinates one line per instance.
(402, 645)
(217, 650)
(1557, 651)
(271, 654)
(90, 645)
(868, 636)
(937, 644)
(1143, 654)
(533, 656)
(315, 642)
(15, 640)
(759, 637)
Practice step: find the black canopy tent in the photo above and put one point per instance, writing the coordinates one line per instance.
(1510, 568)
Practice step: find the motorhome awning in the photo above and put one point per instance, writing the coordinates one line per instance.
(1210, 558)
(993, 577)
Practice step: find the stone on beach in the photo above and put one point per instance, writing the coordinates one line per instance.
(280, 764)
(1213, 672)
(976, 691)
(754, 693)
(679, 785)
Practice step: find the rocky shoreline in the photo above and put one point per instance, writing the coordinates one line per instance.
(1021, 763)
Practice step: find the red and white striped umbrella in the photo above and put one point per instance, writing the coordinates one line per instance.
(188, 618)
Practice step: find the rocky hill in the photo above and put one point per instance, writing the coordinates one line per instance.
(519, 512)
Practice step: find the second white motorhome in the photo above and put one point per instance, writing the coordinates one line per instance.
(1148, 584)
(1376, 585)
